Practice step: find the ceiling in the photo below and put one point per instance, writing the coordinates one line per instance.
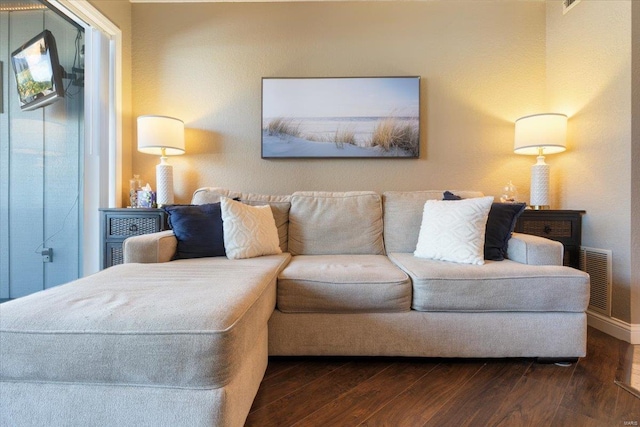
(14, 6)
(285, 1)
(17, 5)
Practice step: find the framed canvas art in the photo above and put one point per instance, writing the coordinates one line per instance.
(341, 117)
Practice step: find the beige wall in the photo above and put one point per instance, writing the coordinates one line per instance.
(119, 12)
(481, 63)
(589, 79)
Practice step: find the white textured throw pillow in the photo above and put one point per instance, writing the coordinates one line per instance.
(454, 230)
(249, 231)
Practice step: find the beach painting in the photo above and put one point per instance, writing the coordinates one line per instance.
(359, 117)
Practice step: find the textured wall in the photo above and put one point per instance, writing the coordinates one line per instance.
(589, 79)
(481, 63)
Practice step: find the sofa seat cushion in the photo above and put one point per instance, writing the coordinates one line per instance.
(343, 284)
(183, 324)
(495, 286)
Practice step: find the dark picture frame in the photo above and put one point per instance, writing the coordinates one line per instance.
(340, 117)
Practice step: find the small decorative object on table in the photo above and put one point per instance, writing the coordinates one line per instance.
(509, 193)
(146, 197)
(135, 185)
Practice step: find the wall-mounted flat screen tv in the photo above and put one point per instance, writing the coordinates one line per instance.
(38, 72)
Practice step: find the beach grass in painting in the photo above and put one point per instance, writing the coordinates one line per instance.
(392, 135)
(341, 117)
(283, 127)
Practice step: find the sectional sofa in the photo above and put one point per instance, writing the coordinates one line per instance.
(165, 342)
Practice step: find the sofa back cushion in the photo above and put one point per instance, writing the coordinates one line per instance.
(403, 216)
(325, 223)
(280, 206)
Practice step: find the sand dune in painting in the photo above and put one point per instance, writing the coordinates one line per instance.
(341, 137)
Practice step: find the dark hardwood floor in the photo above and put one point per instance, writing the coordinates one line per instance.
(447, 392)
(628, 375)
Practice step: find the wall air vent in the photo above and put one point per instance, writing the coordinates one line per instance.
(597, 263)
(567, 5)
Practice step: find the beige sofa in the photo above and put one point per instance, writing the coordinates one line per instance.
(161, 342)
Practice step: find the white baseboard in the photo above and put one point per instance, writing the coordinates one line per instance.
(616, 328)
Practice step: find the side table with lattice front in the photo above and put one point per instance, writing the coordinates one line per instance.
(564, 226)
(119, 223)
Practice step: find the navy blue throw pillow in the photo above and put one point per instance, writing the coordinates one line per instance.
(500, 224)
(448, 195)
(198, 229)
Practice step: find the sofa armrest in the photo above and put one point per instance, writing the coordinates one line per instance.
(150, 248)
(535, 250)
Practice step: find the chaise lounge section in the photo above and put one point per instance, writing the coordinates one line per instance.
(180, 343)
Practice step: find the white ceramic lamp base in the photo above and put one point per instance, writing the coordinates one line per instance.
(539, 198)
(164, 183)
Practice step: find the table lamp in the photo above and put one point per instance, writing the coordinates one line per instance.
(540, 134)
(164, 136)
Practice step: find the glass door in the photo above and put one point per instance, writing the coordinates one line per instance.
(41, 161)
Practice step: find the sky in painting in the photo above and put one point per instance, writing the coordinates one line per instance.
(340, 97)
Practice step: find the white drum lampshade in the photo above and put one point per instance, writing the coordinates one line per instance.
(164, 136)
(540, 134)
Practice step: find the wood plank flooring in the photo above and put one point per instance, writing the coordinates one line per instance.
(414, 392)
(628, 374)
